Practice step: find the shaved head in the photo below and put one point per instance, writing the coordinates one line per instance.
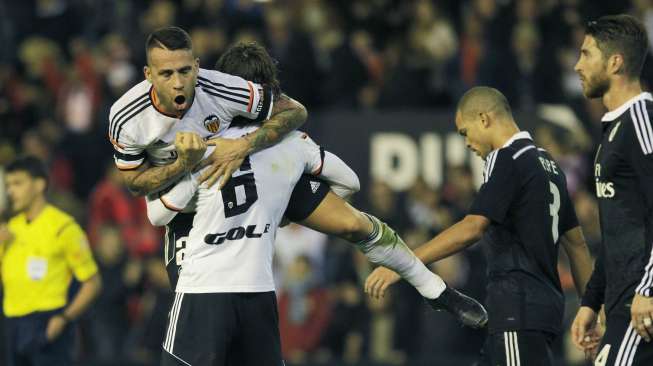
(483, 99)
(484, 119)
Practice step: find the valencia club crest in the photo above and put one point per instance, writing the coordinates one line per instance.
(212, 123)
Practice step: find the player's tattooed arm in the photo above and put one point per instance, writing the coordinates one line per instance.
(287, 115)
(147, 179)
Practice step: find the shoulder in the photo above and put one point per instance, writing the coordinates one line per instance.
(636, 126)
(61, 220)
(222, 80)
(138, 93)
(130, 105)
(15, 221)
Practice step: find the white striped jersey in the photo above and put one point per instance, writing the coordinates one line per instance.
(137, 130)
(623, 172)
(231, 244)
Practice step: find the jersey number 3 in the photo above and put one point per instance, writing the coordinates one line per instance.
(239, 194)
(554, 208)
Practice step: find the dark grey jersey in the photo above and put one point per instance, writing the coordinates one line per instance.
(525, 197)
(623, 172)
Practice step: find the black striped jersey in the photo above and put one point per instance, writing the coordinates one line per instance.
(524, 195)
(230, 245)
(137, 130)
(623, 170)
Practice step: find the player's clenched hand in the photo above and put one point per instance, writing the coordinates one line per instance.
(225, 159)
(584, 330)
(190, 149)
(379, 280)
(641, 316)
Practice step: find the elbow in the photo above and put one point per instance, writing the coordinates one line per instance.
(157, 220)
(95, 283)
(476, 226)
(302, 114)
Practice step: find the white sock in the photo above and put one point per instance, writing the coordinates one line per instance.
(385, 247)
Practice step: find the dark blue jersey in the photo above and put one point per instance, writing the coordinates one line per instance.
(525, 196)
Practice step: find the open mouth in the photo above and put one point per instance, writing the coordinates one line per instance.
(180, 102)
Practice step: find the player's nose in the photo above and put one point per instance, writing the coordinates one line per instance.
(177, 83)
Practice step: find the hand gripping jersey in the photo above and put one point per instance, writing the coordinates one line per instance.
(231, 242)
(138, 130)
(164, 208)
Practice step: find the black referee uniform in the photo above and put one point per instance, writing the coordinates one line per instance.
(525, 197)
(623, 170)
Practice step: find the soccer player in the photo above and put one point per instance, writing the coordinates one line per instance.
(252, 61)
(611, 60)
(41, 248)
(523, 213)
(312, 204)
(179, 96)
(225, 291)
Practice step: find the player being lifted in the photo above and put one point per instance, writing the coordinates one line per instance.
(378, 241)
(179, 96)
(523, 213)
(611, 61)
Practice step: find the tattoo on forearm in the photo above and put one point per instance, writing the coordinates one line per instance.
(154, 179)
(286, 117)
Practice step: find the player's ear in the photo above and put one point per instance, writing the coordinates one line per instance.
(485, 119)
(197, 63)
(41, 185)
(148, 73)
(615, 64)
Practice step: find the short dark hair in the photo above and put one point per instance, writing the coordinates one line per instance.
(622, 34)
(169, 38)
(250, 61)
(483, 99)
(29, 164)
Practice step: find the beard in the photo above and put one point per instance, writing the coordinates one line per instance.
(597, 86)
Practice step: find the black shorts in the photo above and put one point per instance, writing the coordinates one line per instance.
(306, 196)
(223, 329)
(175, 244)
(621, 345)
(27, 345)
(517, 348)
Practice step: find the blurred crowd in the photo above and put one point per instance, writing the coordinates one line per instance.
(64, 62)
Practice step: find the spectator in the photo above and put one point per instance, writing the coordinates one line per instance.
(304, 311)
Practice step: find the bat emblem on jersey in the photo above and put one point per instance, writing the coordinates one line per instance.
(212, 123)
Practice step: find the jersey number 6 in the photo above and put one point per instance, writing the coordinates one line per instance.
(239, 194)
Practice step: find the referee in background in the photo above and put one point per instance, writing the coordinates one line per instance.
(41, 248)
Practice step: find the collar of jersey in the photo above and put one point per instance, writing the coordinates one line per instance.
(611, 116)
(518, 136)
